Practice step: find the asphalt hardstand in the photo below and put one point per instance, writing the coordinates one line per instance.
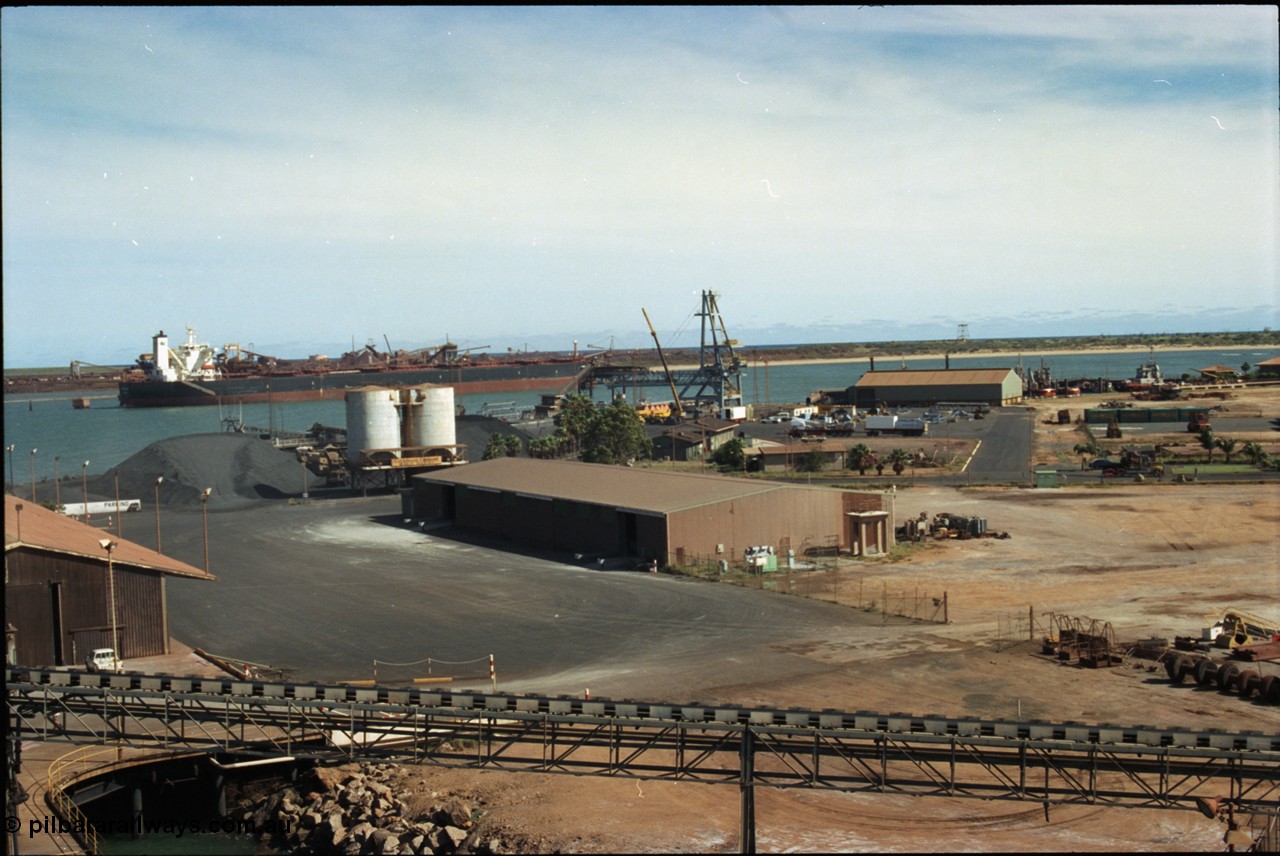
(342, 589)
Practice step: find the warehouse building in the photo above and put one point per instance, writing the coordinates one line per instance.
(62, 603)
(923, 387)
(675, 518)
(790, 457)
(694, 440)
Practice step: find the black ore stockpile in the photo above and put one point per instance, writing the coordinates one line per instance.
(240, 468)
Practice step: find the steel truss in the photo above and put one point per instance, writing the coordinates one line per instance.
(1051, 771)
(716, 382)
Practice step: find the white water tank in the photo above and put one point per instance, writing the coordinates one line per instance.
(432, 417)
(373, 421)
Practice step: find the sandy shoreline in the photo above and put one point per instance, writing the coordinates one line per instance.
(889, 359)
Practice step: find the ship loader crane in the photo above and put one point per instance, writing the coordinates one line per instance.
(675, 396)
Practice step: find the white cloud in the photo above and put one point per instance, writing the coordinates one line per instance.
(561, 162)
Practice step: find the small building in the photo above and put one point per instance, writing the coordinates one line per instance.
(1218, 374)
(60, 599)
(1268, 368)
(923, 387)
(786, 457)
(694, 440)
(675, 518)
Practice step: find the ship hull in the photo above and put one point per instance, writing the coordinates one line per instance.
(335, 385)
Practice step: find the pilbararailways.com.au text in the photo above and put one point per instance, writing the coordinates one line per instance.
(51, 824)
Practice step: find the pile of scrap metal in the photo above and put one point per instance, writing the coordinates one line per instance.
(1251, 664)
(1085, 641)
(945, 526)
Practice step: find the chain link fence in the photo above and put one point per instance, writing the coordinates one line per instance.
(825, 578)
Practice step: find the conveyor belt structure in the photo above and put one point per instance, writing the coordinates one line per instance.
(896, 753)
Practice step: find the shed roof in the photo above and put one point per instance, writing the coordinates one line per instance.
(704, 424)
(647, 491)
(1217, 370)
(798, 449)
(933, 377)
(39, 528)
(1274, 361)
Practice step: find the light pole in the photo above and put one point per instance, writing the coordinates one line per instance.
(109, 545)
(119, 523)
(57, 488)
(84, 487)
(304, 475)
(204, 519)
(159, 479)
(9, 449)
(33, 474)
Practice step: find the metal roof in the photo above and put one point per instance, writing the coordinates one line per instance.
(39, 528)
(933, 377)
(646, 491)
(798, 449)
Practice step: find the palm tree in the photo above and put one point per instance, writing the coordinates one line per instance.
(1084, 450)
(898, 459)
(1227, 445)
(860, 457)
(1255, 453)
(1208, 441)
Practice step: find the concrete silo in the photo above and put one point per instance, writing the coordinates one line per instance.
(429, 417)
(373, 421)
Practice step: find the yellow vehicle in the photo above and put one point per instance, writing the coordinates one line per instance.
(1235, 627)
(654, 412)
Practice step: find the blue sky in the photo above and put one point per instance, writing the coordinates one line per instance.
(302, 179)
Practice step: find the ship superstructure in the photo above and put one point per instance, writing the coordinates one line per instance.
(188, 361)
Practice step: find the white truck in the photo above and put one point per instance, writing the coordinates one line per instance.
(79, 509)
(890, 424)
(876, 422)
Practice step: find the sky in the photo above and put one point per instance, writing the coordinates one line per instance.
(302, 180)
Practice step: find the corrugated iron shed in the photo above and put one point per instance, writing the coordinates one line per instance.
(932, 377)
(649, 491)
(39, 528)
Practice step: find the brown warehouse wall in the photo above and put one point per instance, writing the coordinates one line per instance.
(84, 608)
(785, 518)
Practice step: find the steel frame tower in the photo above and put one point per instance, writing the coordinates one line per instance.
(719, 375)
(717, 380)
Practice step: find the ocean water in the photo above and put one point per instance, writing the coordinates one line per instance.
(106, 434)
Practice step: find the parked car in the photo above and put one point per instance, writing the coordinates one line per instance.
(103, 660)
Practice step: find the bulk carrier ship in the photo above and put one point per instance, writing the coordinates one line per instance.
(194, 373)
